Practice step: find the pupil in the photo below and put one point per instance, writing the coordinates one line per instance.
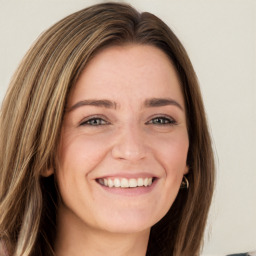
(160, 121)
(95, 121)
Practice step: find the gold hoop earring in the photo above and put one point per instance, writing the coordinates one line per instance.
(184, 184)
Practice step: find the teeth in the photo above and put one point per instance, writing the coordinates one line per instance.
(140, 182)
(110, 183)
(126, 183)
(145, 182)
(132, 183)
(117, 183)
(101, 181)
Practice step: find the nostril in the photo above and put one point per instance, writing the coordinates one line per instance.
(130, 145)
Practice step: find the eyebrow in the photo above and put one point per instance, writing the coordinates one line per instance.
(95, 103)
(160, 102)
(154, 102)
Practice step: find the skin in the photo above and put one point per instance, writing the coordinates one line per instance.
(130, 135)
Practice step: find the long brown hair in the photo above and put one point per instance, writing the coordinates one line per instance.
(31, 118)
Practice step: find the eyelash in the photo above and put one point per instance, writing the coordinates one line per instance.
(89, 121)
(162, 120)
(158, 120)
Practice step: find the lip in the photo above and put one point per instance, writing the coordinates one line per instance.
(130, 192)
(129, 175)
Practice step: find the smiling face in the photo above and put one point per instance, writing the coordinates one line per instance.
(124, 141)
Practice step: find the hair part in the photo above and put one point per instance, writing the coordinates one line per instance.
(31, 119)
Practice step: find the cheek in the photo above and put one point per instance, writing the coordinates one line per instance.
(172, 152)
(78, 156)
(81, 152)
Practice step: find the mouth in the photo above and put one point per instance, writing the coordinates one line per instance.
(126, 183)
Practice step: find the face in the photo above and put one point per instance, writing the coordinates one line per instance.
(124, 141)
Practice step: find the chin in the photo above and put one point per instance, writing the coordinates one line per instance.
(129, 222)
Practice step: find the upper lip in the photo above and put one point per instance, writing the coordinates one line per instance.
(130, 175)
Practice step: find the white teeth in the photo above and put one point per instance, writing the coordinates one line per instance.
(126, 183)
(145, 182)
(110, 183)
(117, 183)
(132, 183)
(140, 182)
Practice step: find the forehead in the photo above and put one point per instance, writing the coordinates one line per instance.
(129, 71)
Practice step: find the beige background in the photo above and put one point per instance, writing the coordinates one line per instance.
(220, 37)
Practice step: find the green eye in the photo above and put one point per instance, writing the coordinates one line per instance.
(94, 122)
(162, 121)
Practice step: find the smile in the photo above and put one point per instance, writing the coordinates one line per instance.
(126, 183)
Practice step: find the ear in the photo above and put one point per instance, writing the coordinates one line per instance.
(186, 170)
(47, 172)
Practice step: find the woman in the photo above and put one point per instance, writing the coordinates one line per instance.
(104, 145)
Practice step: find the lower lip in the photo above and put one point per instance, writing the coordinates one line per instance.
(130, 191)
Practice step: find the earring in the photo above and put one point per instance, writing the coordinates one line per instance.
(184, 184)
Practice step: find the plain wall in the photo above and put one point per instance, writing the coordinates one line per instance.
(220, 37)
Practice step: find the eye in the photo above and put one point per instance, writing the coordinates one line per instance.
(162, 120)
(94, 121)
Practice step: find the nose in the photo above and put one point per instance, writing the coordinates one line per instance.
(130, 145)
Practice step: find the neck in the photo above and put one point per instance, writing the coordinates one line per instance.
(78, 239)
